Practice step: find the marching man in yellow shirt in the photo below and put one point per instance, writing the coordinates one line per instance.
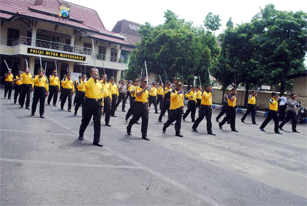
(176, 109)
(40, 92)
(92, 106)
(68, 90)
(26, 88)
(18, 83)
(272, 114)
(191, 95)
(8, 84)
(153, 96)
(205, 109)
(251, 108)
(54, 88)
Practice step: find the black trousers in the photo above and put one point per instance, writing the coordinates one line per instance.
(107, 109)
(271, 115)
(204, 111)
(25, 93)
(79, 101)
(121, 98)
(231, 115)
(282, 112)
(192, 109)
(131, 109)
(17, 92)
(250, 109)
(67, 94)
(113, 105)
(39, 95)
(165, 107)
(53, 93)
(92, 108)
(8, 89)
(290, 115)
(224, 110)
(175, 115)
(160, 101)
(198, 101)
(128, 95)
(140, 110)
(153, 100)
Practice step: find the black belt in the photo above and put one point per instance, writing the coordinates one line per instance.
(91, 99)
(141, 102)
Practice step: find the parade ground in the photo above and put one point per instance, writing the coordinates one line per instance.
(42, 162)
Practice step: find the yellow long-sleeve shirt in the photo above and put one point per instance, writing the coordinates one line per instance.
(206, 98)
(26, 78)
(153, 92)
(106, 90)
(18, 81)
(132, 88)
(273, 104)
(54, 81)
(114, 89)
(251, 99)
(191, 95)
(143, 97)
(68, 84)
(177, 100)
(160, 91)
(80, 86)
(198, 94)
(232, 103)
(9, 78)
(93, 89)
(41, 82)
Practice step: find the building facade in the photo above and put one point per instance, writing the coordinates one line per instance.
(60, 35)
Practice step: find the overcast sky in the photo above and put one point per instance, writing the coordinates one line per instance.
(140, 12)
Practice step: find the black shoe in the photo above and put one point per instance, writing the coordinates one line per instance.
(183, 119)
(32, 114)
(97, 144)
(9, 98)
(235, 130)
(75, 113)
(193, 120)
(296, 131)
(280, 128)
(14, 102)
(217, 119)
(42, 116)
(54, 105)
(261, 129)
(242, 120)
(126, 119)
(145, 138)
(278, 132)
(108, 125)
(211, 133)
(179, 135)
(159, 120)
(128, 131)
(255, 123)
(81, 138)
(69, 110)
(61, 108)
(113, 116)
(156, 112)
(28, 108)
(163, 130)
(124, 111)
(220, 126)
(194, 130)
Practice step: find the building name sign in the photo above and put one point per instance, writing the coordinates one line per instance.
(134, 27)
(56, 54)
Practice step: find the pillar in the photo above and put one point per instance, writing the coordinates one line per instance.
(118, 75)
(71, 67)
(33, 41)
(31, 64)
(72, 41)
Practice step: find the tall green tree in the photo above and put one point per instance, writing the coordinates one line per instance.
(212, 22)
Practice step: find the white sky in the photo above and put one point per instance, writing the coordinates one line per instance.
(139, 11)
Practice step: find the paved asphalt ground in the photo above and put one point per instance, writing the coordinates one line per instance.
(43, 163)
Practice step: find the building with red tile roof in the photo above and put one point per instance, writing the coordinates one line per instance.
(34, 30)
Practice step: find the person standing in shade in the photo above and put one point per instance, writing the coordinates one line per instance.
(231, 111)
(225, 105)
(26, 88)
(251, 108)
(122, 90)
(107, 100)
(115, 94)
(80, 94)
(291, 113)
(191, 95)
(132, 98)
(41, 89)
(160, 93)
(153, 97)
(8, 84)
(54, 88)
(166, 101)
(141, 109)
(272, 114)
(198, 97)
(205, 110)
(176, 109)
(68, 90)
(92, 106)
(282, 107)
(18, 83)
